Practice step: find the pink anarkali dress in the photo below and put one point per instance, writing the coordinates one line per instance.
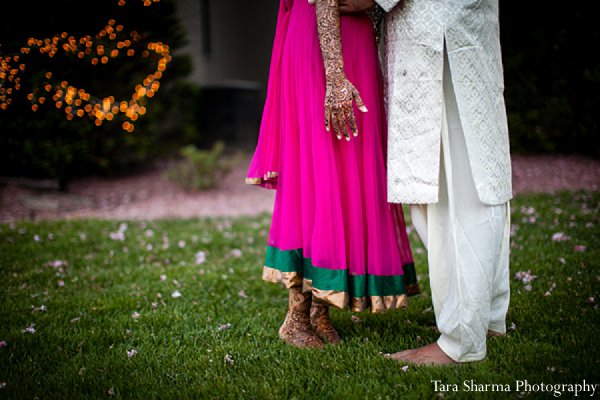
(332, 231)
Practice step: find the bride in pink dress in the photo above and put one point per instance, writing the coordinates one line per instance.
(334, 239)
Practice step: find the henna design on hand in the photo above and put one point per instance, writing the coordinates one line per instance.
(340, 92)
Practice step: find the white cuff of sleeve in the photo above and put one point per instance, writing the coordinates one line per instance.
(387, 5)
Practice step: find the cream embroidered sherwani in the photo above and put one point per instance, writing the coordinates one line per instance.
(414, 52)
(448, 156)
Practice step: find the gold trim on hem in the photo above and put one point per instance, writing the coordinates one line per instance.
(381, 304)
(269, 176)
(287, 279)
(253, 181)
(336, 298)
(332, 297)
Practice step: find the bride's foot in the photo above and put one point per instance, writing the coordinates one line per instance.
(321, 324)
(431, 354)
(296, 328)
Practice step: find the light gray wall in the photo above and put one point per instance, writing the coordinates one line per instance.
(241, 33)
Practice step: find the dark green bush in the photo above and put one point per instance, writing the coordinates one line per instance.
(200, 169)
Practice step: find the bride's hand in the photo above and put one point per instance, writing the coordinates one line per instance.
(339, 110)
(340, 92)
(353, 6)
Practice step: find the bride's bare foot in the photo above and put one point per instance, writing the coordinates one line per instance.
(296, 329)
(431, 354)
(321, 324)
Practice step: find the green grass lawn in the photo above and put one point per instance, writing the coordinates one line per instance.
(186, 297)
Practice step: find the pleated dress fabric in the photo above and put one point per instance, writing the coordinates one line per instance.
(333, 231)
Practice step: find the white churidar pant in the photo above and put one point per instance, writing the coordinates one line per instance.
(468, 244)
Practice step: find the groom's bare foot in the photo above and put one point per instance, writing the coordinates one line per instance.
(431, 354)
(494, 334)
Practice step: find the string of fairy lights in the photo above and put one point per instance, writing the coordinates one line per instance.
(108, 44)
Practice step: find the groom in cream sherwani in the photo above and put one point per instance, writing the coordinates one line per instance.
(448, 157)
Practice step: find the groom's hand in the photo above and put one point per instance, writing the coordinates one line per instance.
(353, 6)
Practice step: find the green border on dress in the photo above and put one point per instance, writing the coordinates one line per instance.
(340, 280)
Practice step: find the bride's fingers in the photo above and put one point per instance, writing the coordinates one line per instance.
(337, 123)
(359, 101)
(343, 121)
(327, 118)
(349, 113)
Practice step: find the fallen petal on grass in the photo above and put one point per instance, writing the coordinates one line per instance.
(525, 276)
(228, 359)
(224, 327)
(560, 237)
(117, 236)
(57, 264)
(200, 257)
(41, 308)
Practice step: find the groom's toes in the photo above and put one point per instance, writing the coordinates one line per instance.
(401, 355)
